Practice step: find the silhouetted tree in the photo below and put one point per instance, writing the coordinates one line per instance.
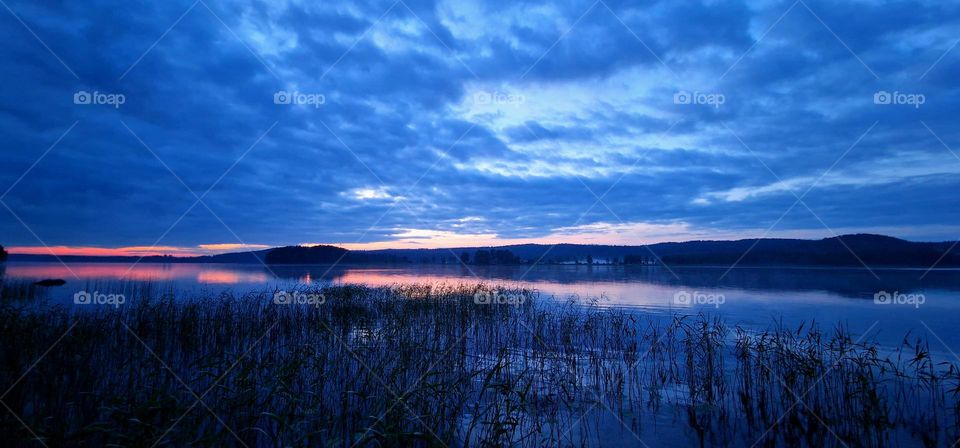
(495, 256)
(3, 254)
(305, 255)
(503, 256)
(589, 259)
(482, 257)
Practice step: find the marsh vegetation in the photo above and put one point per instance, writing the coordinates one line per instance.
(425, 365)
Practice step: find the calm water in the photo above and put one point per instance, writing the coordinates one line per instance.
(750, 297)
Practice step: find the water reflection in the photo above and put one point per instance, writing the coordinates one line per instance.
(232, 277)
(847, 282)
(619, 280)
(97, 271)
(752, 296)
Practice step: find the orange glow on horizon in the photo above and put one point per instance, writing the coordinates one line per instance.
(233, 247)
(130, 251)
(409, 238)
(135, 251)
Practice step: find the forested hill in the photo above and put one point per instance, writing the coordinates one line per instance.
(847, 250)
(873, 250)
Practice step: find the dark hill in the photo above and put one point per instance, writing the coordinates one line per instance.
(306, 255)
(846, 250)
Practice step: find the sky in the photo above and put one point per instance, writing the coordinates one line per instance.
(189, 127)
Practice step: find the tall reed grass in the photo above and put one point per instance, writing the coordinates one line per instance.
(424, 365)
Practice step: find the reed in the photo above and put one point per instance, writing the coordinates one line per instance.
(425, 365)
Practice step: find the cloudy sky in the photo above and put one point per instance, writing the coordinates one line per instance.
(201, 126)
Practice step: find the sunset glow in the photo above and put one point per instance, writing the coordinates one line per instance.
(134, 251)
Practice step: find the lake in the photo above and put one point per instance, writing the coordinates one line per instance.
(922, 304)
(926, 302)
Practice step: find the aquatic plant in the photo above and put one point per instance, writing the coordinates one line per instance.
(446, 365)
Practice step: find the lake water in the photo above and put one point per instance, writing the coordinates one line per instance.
(754, 298)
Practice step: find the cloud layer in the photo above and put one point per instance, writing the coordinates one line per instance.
(421, 123)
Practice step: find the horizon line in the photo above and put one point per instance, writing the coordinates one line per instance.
(223, 249)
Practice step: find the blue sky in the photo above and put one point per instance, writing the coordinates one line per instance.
(198, 126)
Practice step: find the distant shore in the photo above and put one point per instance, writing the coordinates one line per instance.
(861, 250)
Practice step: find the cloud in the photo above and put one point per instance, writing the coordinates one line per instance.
(518, 114)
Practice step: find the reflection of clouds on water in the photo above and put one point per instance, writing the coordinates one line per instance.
(231, 277)
(623, 285)
(96, 271)
(616, 281)
(754, 297)
(180, 273)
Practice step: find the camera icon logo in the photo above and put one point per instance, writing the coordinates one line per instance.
(483, 298)
(682, 97)
(282, 97)
(682, 298)
(282, 298)
(82, 298)
(482, 98)
(883, 298)
(82, 97)
(882, 97)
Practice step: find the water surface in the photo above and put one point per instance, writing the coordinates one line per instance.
(751, 297)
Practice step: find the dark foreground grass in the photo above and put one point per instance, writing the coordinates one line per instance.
(427, 366)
